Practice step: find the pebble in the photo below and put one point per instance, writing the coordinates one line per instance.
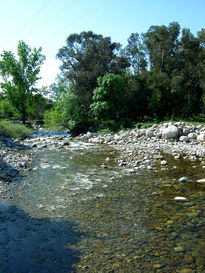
(201, 180)
(180, 198)
(157, 266)
(179, 249)
(164, 162)
(183, 179)
(186, 270)
(131, 171)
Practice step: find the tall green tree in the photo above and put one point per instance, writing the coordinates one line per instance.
(188, 76)
(161, 44)
(136, 54)
(86, 57)
(20, 75)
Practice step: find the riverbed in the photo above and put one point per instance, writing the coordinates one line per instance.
(77, 210)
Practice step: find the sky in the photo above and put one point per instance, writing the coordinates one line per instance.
(47, 23)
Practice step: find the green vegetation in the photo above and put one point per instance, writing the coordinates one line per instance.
(14, 130)
(159, 75)
(19, 78)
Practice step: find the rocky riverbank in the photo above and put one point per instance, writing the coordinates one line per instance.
(138, 148)
(14, 156)
(145, 148)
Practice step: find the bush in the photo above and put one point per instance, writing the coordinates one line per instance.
(14, 130)
(52, 119)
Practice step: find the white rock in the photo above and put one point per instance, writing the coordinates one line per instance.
(89, 135)
(170, 132)
(201, 180)
(131, 171)
(184, 139)
(192, 135)
(164, 162)
(180, 198)
(149, 167)
(147, 161)
(117, 138)
(201, 137)
(183, 179)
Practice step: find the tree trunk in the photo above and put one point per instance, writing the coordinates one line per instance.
(23, 116)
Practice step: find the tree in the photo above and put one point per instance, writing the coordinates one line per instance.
(109, 98)
(69, 109)
(20, 76)
(136, 54)
(188, 76)
(86, 57)
(58, 88)
(161, 44)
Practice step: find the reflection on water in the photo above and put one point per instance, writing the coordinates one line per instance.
(123, 223)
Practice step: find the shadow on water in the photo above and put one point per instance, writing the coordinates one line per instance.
(31, 245)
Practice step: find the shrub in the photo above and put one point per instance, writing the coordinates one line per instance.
(14, 130)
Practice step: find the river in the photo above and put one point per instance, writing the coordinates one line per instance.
(70, 213)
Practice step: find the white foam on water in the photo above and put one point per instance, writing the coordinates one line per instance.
(74, 189)
(45, 165)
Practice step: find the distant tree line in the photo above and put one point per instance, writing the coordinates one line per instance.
(158, 74)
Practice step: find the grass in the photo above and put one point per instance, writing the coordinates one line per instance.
(14, 130)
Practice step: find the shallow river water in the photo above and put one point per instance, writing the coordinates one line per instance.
(69, 214)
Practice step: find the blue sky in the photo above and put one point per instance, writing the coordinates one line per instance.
(47, 23)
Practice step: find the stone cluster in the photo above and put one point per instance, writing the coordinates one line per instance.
(141, 148)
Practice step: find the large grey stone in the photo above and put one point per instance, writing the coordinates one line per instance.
(170, 132)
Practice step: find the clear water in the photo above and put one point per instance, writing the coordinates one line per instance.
(69, 214)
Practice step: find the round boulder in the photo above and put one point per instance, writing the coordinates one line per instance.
(170, 132)
(192, 135)
(149, 133)
(201, 137)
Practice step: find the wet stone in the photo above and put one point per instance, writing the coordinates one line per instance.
(164, 162)
(186, 270)
(157, 266)
(179, 249)
(189, 259)
(183, 179)
(201, 180)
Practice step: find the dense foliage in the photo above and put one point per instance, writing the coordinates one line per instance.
(158, 74)
(85, 57)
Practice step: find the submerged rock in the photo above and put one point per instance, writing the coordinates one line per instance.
(164, 162)
(183, 179)
(180, 198)
(201, 180)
